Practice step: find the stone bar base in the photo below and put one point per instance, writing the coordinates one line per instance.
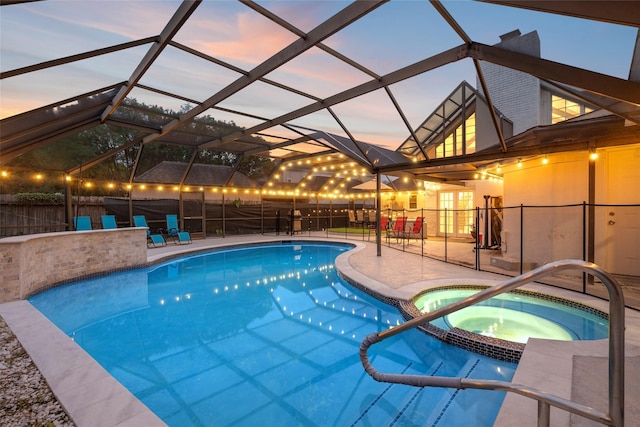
(35, 262)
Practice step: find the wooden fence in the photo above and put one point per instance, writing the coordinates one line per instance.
(30, 218)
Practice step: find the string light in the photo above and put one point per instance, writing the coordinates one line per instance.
(545, 160)
(519, 162)
(593, 155)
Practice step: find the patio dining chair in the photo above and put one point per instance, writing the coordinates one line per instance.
(416, 231)
(384, 227)
(398, 227)
(352, 217)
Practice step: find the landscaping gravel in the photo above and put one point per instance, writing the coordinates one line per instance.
(25, 397)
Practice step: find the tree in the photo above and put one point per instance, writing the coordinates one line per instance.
(72, 152)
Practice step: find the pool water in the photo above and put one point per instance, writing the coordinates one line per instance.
(515, 316)
(264, 335)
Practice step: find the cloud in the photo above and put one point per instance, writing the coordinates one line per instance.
(250, 40)
(128, 19)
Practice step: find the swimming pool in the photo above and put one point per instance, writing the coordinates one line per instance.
(516, 316)
(265, 335)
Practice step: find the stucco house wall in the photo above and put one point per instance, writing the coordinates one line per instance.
(550, 233)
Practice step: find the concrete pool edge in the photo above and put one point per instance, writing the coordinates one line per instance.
(21, 317)
(86, 391)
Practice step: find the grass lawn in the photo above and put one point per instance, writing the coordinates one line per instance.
(349, 230)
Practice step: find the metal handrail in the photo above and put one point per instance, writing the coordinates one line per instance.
(616, 349)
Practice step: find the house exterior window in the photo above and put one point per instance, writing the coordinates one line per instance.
(461, 141)
(413, 201)
(564, 109)
(455, 213)
(464, 222)
(470, 137)
(445, 217)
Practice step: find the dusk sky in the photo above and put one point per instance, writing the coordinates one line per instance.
(396, 34)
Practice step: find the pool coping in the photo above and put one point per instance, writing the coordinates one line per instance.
(492, 347)
(92, 397)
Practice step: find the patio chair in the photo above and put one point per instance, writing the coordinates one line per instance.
(82, 223)
(416, 231)
(384, 226)
(352, 217)
(371, 218)
(173, 231)
(398, 227)
(108, 222)
(152, 239)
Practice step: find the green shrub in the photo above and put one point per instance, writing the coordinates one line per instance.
(42, 198)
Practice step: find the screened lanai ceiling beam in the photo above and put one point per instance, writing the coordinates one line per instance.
(298, 32)
(74, 58)
(131, 125)
(284, 144)
(194, 154)
(428, 64)
(353, 140)
(239, 70)
(46, 130)
(173, 26)
(8, 2)
(102, 157)
(535, 147)
(235, 169)
(6, 155)
(342, 147)
(166, 93)
(623, 12)
(634, 69)
(305, 156)
(492, 110)
(136, 163)
(227, 110)
(463, 35)
(343, 18)
(612, 87)
(193, 101)
(406, 122)
(599, 101)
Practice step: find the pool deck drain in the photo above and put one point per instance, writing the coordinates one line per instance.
(94, 398)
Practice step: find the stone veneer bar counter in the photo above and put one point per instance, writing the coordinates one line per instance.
(32, 263)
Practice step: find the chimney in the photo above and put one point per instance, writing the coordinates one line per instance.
(509, 35)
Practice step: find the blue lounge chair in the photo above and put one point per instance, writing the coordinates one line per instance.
(173, 231)
(108, 222)
(82, 223)
(152, 239)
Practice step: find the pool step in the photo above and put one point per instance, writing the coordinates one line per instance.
(439, 418)
(392, 393)
(429, 406)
